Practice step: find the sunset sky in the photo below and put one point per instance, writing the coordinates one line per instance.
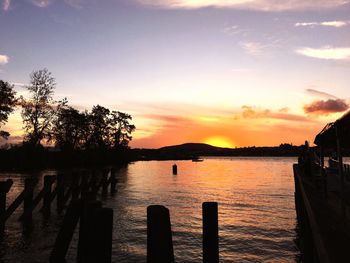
(226, 72)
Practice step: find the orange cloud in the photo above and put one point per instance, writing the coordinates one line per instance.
(325, 107)
(252, 113)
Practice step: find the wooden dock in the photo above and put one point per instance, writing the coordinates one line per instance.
(77, 198)
(323, 216)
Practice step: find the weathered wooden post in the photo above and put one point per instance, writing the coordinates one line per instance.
(88, 208)
(75, 186)
(99, 236)
(210, 232)
(93, 180)
(4, 189)
(60, 193)
(29, 184)
(66, 232)
(48, 181)
(174, 169)
(104, 182)
(113, 180)
(84, 183)
(159, 236)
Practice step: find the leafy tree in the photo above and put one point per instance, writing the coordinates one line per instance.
(7, 103)
(39, 110)
(70, 129)
(99, 129)
(120, 129)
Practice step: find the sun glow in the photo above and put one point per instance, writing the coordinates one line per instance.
(219, 141)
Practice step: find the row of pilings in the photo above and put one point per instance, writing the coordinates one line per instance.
(76, 198)
(54, 188)
(159, 234)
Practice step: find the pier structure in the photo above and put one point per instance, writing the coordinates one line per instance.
(76, 198)
(322, 195)
(61, 187)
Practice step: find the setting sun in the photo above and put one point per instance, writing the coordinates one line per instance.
(219, 141)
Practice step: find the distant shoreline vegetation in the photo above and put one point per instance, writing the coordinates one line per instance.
(16, 158)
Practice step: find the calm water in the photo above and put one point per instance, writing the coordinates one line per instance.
(257, 219)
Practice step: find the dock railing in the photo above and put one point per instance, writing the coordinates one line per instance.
(53, 187)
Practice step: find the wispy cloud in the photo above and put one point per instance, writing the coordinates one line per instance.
(75, 3)
(4, 59)
(234, 30)
(336, 23)
(249, 112)
(263, 5)
(326, 107)
(322, 94)
(256, 49)
(6, 5)
(326, 52)
(41, 3)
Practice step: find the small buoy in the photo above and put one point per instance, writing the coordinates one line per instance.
(174, 169)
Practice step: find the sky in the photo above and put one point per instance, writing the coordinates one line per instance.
(230, 73)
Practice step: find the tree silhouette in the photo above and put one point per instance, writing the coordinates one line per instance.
(98, 123)
(120, 129)
(7, 103)
(99, 129)
(70, 129)
(39, 110)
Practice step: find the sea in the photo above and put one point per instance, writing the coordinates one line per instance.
(255, 195)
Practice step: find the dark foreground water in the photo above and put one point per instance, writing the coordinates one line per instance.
(257, 217)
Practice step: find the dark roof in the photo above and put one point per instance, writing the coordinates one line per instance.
(327, 137)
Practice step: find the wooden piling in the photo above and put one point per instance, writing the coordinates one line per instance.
(104, 182)
(4, 189)
(159, 236)
(84, 183)
(60, 193)
(86, 225)
(48, 181)
(113, 180)
(93, 181)
(210, 232)
(75, 186)
(99, 236)
(66, 232)
(174, 169)
(29, 184)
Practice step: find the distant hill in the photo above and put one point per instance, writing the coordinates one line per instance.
(191, 147)
(191, 150)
